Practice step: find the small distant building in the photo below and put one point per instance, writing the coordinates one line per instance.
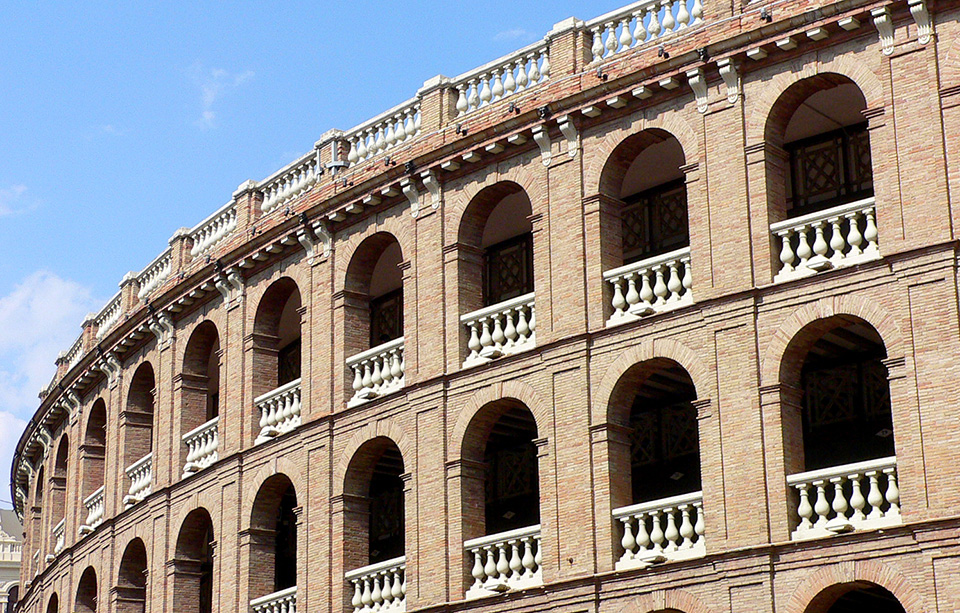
(11, 546)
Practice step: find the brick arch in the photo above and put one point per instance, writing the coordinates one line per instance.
(883, 575)
(255, 291)
(280, 466)
(648, 350)
(206, 501)
(399, 226)
(770, 92)
(380, 428)
(601, 150)
(515, 390)
(666, 600)
(869, 311)
(128, 572)
(950, 67)
(217, 317)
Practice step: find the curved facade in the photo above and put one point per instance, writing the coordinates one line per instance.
(656, 314)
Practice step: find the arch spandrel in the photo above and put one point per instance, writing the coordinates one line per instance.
(882, 574)
(378, 429)
(507, 390)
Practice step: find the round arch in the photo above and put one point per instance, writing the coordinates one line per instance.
(516, 391)
(824, 580)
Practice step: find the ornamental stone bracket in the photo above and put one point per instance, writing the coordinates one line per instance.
(429, 178)
(310, 236)
(412, 194)
(921, 16)
(884, 24)
(569, 131)
(698, 83)
(110, 366)
(541, 136)
(162, 327)
(731, 79)
(230, 285)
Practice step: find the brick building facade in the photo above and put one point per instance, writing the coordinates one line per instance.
(657, 313)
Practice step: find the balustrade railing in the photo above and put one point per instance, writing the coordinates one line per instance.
(59, 536)
(502, 329)
(95, 508)
(141, 480)
(290, 183)
(655, 284)
(860, 496)
(279, 411)
(502, 77)
(284, 601)
(380, 587)
(641, 22)
(377, 372)
(154, 274)
(505, 561)
(660, 530)
(108, 316)
(213, 229)
(841, 236)
(203, 444)
(385, 131)
(74, 354)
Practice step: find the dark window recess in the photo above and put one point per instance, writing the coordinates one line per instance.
(508, 269)
(285, 559)
(205, 597)
(513, 496)
(386, 317)
(655, 222)
(386, 518)
(213, 406)
(664, 450)
(846, 415)
(829, 169)
(288, 365)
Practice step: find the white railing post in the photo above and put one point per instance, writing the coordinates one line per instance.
(380, 587)
(141, 480)
(213, 229)
(377, 372)
(660, 530)
(59, 536)
(649, 286)
(155, 274)
(505, 561)
(284, 601)
(94, 505)
(279, 411)
(859, 496)
(202, 445)
(502, 329)
(639, 23)
(502, 77)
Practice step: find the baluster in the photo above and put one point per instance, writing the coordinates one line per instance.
(538, 556)
(786, 251)
(397, 588)
(375, 378)
(396, 368)
(416, 122)
(503, 565)
(854, 238)
(819, 243)
(822, 507)
(870, 233)
(462, 104)
(671, 534)
(612, 42)
(626, 38)
(366, 597)
(385, 371)
(674, 285)
(627, 542)
(683, 15)
(660, 288)
(534, 73)
(377, 595)
(367, 375)
(381, 141)
(643, 537)
(619, 302)
(700, 528)
(803, 249)
(839, 500)
(485, 94)
(893, 492)
(391, 135)
(523, 326)
(497, 90)
(686, 528)
(477, 572)
(696, 13)
(533, 319)
(874, 497)
(837, 242)
(529, 561)
(640, 31)
(490, 568)
(474, 99)
(545, 65)
(857, 501)
(401, 133)
(656, 534)
(474, 343)
(669, 23)
(498, 337)
(509, 83)
(412, 125)
(687, 278)
(362, 146)
(516, 565)
(646, 291)
(633, 296)
(485, 339)
(510, 332)
(522, 79)
(598, 48)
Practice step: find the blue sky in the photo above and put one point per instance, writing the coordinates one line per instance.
(121, 122)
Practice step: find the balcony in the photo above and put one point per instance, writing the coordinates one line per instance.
(650, 286)
(141, 480)
(95, 509)
(380, 587)
(377, 372)
(59, 541)
(505, 561)
(284, 601)
(502, 329)
(840, 236)
(279, 411)
(202, 445)
(662, 530)
(650, 20)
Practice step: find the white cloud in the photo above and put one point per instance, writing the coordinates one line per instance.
(516, 34)
(15, 199)
(213, 83)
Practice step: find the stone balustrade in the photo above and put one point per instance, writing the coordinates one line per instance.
(95, 508)
(505, 561)
(841, 236)
(502, 329)
(59, 536)
(641, 22)
(660, 530)
(108, 316)
(73, 355)
(385, 131)
(380, 587)
(279, 411)
(377, 372)
(859, 496)
(141, 480)
(502, 77)
(154, 274)
(284, 601)
(202, 444)
(206, 234)
(649, 286)
(290, 183)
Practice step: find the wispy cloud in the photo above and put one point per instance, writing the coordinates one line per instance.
(16, 199)
(39, 318)
(213, 83)
(516, 34)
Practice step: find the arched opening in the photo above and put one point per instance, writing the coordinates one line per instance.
(92, 454)
(501, 441)
(193, 565)
(13, 598)
(496, 273)
(276, 360)
(644, 227)
(200, 399)
(54, 605)
(841, 434)
(273, 546)
(655, 470)
(58, 494)
(374, 523)
(824, 177)
(855, 597)
(86, 600)
(373, 318)
(36, 515)
(137, 424)
(130, 593)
